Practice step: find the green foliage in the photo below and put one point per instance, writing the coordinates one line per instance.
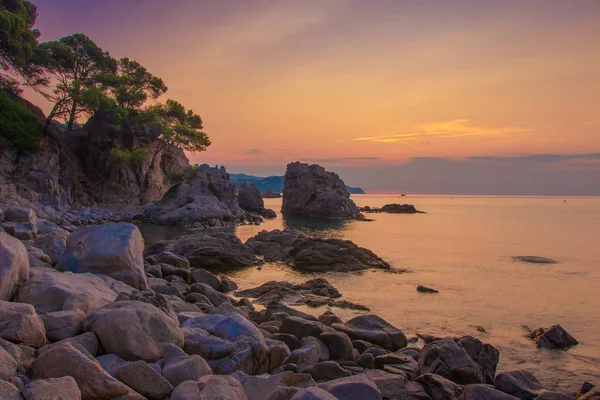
(75, 61)
(122, 157)
(18, 125)
(178, 126)
(17, 41)
(187, 174)
(132, 84)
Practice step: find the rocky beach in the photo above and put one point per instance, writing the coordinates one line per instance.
(89, 311)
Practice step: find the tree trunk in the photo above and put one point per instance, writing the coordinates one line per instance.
(72, 116)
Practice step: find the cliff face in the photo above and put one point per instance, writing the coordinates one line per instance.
(77, 169)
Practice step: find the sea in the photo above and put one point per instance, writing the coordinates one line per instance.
(463, 246)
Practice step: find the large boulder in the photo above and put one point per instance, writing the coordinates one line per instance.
(20, 324)
(554, 337)
(21, 223)
(179, 367)
(520, 384)
(207, 200)
(53, 244)
(210, 387)
(311, 192)
(250, 199)
(67, 360)
(464, 360)
(215, 250)
(14, 265)
(134, 330)
(373, 329)
(289, 292)
(64, 388)
(352, 387)
(8, 365)
(480, 391)
(114, 250)
(440, 388)
(142, 378)
(263, 386)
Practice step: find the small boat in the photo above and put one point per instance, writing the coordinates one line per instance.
(403, 195)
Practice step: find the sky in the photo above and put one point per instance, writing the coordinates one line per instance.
(428, 96)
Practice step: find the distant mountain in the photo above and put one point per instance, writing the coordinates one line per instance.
(275, 183)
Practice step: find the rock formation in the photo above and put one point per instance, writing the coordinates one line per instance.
(311, 192)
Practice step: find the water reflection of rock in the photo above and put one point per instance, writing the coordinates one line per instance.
(317, 227)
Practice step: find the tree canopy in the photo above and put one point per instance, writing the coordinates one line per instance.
(18, 39)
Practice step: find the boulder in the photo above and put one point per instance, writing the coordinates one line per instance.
(14, 265)
(392, 209)
(111, 363)
(479, 391)
(273, 245)
(210, 387)
(64, 388)
(326, 371)
(373, 329)
(289, 292)
(227, 284)
(207, 200)
(142, 378)
(216, 298)
(263, 386)
(413, 391)
(305, 356)
(53, 244)
(520, 384)
(463, 360)
(534, 260)
(402, 362)
(8, 391)
(267, 213)
(352, 388)
(19, 214)
(204, 276)
(424, 289)
(114, 250)
(313, 393)
(328, 318)
(217, 250)
(179, 367)
(20, 324)
(66, 360)
(134, 330)
(269, 194)
(554, 337)
(552, 396)
(339, 345)
(301, 327)
(86, 343)
(172, 259)
(63, 300)
(311, 192)
(250, 199)
(200, 342)
(440, 388)
(8, 365)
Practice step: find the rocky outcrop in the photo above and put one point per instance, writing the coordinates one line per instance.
(269, 194)
(311, 192)
(208, 200)
(554, 337)
(250, 199)
(207, 250)
(14, 265)
(113, 250)
(314, 254)
(392, 209)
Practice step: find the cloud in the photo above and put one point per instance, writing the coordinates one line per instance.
(593, 122)
(449, 129)
(255, 152)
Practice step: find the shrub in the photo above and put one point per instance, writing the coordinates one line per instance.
(19, 125)
(123, 157)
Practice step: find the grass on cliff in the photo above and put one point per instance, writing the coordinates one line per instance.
(19, 125)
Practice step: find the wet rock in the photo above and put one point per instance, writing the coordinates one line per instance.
(326, 371)
(440, 388)
(210, 387)
(20, 324)
(209, 251)
(142, 378)
(424, 289)
(273, 245)
(134, 330)
(534, 260)
(392, 209)
(311, 192)
(66, 360)
(554, 337)
(263, 386)
(289, 292)
(352, 387)
(250, 199)
(114, 250)
(14, 265)
(339, 345)
(373, 329)
(464, 360)
(520, 384)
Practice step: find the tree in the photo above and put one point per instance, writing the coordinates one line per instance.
(132, 84)
(178, 127)
(17, 41)
(76, 62)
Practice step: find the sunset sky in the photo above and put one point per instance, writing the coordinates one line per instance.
(418, 96)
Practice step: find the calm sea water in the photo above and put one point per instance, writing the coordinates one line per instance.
(463, 246)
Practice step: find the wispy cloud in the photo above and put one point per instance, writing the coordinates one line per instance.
(449, 129)
(254, 152)
(593, 122)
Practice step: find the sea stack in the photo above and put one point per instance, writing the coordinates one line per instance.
(310, 191)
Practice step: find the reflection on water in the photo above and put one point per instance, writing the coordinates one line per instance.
(464, 247)
(317, 227)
